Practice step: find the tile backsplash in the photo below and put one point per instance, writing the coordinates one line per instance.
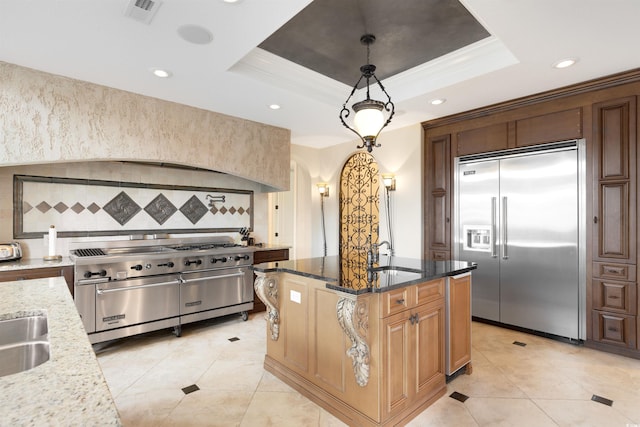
(97, 208)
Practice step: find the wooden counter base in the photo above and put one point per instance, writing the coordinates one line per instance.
(375, 359)
(338, 408)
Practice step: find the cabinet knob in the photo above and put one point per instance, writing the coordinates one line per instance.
(595, 219)
(612, 329)
(400, 301)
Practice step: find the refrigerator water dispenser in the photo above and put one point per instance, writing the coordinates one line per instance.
(477, 238)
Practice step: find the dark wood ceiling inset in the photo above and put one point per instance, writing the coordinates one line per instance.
(325, 36)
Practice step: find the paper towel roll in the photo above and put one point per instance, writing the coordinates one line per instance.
(53, 235)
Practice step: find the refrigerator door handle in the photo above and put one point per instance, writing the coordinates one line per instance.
(494, 243)
(505, 255)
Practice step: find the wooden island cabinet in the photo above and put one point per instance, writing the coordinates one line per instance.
(373, 357)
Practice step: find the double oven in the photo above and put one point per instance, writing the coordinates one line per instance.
(130, 287)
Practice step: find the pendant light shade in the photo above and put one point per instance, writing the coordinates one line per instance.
(369, 118)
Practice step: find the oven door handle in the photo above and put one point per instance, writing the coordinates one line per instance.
(221, 276)
(151, 285)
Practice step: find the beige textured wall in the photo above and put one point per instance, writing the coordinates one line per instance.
(46, 118)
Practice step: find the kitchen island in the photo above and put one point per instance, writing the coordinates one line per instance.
(69, 388)
(368, 344)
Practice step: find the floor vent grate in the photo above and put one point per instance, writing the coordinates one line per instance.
(459, 396)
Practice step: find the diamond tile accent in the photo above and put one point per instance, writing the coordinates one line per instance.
(77, 208)
(60, 207)
(160, 209)
(232, 210)
(93, 208)
(193, 209)
(213, 210)
(122, 208)
(223, 210)
(43, 207)
(240, 210)
(26, 207)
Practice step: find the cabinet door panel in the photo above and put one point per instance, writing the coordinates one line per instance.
(615, 133)
(615, 296)
(613, 238)
(614, 329)
(429, 349)
(438, 193)
(482, 140)
(459, 301)
(396, 354)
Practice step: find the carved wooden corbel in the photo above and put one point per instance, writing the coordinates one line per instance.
(353, 317)
(266, 288)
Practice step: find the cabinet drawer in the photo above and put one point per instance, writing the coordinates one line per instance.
(606, 270)
(272, 255)
(440, 255)
(612, 328)
(396, 300)
(429, 291)
(619, 297)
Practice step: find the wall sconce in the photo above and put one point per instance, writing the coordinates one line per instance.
(389, 181)
(323, 189)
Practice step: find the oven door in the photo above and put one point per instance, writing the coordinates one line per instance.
(130, 302)
(211, 289)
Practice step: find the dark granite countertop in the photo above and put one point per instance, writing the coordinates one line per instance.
(352, 275)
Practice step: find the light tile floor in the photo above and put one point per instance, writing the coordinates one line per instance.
(545, 383)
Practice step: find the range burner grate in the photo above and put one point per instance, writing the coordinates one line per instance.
(205, 246)
(89, 252)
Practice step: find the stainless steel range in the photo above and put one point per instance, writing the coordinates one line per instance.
(124, 288)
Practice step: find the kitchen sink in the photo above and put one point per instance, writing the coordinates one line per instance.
(21, 329)
(396, 269)
(20, 357)
(24, 343)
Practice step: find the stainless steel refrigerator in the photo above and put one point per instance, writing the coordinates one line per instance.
(520, 216)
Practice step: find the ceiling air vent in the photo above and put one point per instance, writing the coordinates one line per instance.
(142, 10)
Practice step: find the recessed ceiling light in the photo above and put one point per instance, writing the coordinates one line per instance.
(564, 63)
(273, 106)
(231, 1)
(195, 34)
(437, 101)
(159, 72)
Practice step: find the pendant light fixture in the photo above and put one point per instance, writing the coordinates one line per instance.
(369, 117)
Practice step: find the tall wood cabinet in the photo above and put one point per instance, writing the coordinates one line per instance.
(604, 112)
(613, 284)
(438, 194)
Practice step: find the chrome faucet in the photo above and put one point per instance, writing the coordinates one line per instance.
(373, 255)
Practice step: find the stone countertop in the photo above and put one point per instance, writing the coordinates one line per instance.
(29, 263)
(69, 389)
(352, 275)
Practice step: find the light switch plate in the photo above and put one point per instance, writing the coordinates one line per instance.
(295, 296)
